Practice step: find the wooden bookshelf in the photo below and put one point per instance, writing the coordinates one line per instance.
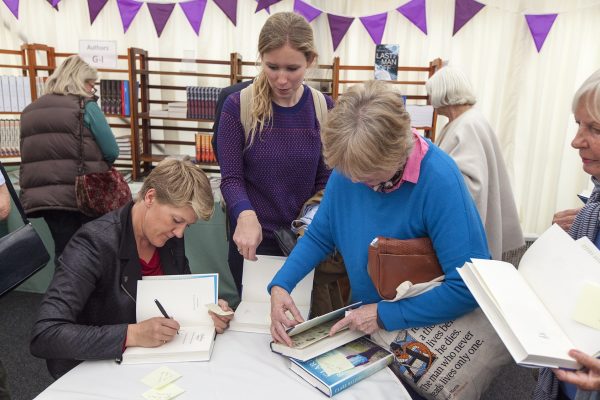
(162, 80)
(410, 78)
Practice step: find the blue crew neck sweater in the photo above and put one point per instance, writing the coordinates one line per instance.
(351, 215)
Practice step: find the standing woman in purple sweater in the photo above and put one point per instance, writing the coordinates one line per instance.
(268, 175)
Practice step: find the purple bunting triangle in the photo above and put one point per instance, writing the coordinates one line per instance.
(306, 10)
(194, 11)
(375, 25)
(95, 6)
(13, 6)
(339, 26)
(416, 13)
(265, 4)
(539, 26)
(54, 3)
(229, 7)
(128, 10)
(464, 10)
(160, 13)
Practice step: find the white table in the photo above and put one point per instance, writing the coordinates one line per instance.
(241, 367)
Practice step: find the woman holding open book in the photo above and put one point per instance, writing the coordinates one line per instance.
(387, 181)
(583, 384)
(89, 310)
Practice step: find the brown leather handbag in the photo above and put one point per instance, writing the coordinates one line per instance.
(393, 261)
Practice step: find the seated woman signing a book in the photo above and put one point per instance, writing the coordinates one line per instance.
(586, 108)
(89, 310)
(387, 182)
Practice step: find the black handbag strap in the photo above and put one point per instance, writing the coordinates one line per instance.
(14, 196)
(81, 166)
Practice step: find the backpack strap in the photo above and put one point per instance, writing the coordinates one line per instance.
(320, 106)
(246, 95)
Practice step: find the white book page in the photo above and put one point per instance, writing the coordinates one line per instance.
(183, 298)
(420, 115)
(258, 275)
(195, 338)
(557, 268)
(527, 317)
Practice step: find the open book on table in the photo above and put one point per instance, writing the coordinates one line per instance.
(184, 298)
(344, 366)
(253, 314)
(547, 306)
(311, 338)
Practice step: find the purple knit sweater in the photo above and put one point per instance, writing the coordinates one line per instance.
(282, 168)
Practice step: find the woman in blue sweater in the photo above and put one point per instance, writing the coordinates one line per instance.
(387, 181)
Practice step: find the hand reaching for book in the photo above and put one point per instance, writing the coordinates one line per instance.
(281, 305)
(221, 321)
(565, 218)
(152, 332)
(248, 234)
(585, 379)
(362, 319)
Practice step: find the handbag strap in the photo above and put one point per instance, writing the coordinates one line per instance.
(14, 196)
(81, 166)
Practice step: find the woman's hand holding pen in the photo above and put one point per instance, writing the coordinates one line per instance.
(152, 332)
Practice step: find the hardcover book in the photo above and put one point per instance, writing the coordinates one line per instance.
(386, 62)
(253, 314)
(344, 366)
(546, 307)
(311, 338)
(184, 298)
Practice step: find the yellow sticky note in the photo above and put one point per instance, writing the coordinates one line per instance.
(166, 393)
(587, 311)
(217, 310)
(334, 363)
(160, 377)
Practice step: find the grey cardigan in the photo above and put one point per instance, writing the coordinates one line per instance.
(91, 299)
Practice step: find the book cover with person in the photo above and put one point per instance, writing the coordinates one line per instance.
(344, 366)
(386, 62)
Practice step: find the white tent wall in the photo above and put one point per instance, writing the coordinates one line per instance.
(525, 95)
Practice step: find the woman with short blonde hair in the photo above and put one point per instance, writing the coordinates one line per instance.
(88, 312)
(387, 181)
(269, 170)
(369, 128)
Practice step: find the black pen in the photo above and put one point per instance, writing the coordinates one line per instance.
(162, 310)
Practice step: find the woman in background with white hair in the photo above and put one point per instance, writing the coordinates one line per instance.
(470, 141)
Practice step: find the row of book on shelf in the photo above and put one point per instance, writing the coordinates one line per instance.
(114, 97)
(204, 149)
(124, 144)
(15, 92)
(201, 101)
(10, 136)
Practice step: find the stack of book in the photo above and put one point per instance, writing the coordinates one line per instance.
(202, 101)
(124, 143)
(332, 363)
(177, 109)
(15, 93)
(204, 151)
(10, 136)
(114, 97)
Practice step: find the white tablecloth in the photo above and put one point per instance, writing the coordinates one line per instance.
(241, 367)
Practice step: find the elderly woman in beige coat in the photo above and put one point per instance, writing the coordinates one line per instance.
(470, 141)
